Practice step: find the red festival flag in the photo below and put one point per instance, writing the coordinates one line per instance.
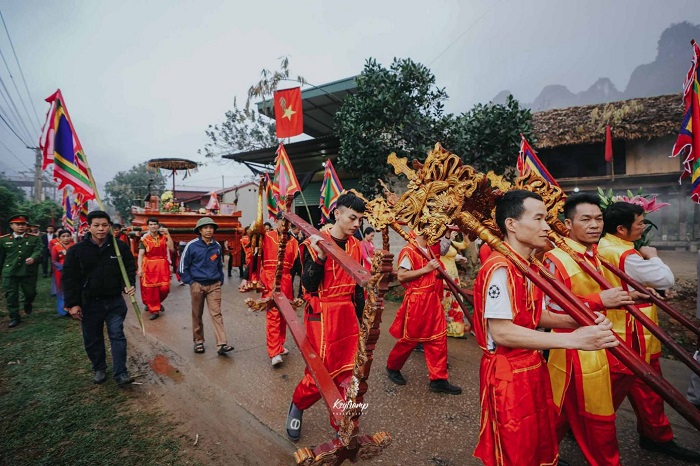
(285, 181)
(528, 161)
(608, 144)
(688, 141)
(289, 118)
(60, 145)
(330, 190)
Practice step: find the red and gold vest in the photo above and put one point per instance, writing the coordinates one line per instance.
(590, 368)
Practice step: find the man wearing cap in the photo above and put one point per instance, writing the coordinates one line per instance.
(202, 267)
(20, 254)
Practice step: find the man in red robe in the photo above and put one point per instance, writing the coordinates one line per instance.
(276, 327)
(517, 412)
(581, 379)
(330, 319)
(421, 318)
(624, 224)
(154, 267)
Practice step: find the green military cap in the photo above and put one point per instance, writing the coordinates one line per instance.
(18, 219)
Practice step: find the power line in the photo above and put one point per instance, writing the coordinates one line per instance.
(465, 31)
(14, 83)
(9, 115)
(13, 131)
(14, 106)
(15, 156)
(19, 67)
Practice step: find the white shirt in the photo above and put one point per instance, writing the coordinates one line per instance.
(649, 272)
(406, 263)
(498, 304)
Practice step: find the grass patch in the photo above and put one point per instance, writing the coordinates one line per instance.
(50, 411)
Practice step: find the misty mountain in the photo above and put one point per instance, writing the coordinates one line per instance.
(662, 76)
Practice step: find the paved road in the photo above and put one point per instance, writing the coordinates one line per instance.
(241, 402)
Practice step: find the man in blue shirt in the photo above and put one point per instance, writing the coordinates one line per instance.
(202, 267)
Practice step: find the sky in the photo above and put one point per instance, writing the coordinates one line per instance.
(144, 79)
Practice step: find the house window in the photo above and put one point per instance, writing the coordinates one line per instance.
(582, 160)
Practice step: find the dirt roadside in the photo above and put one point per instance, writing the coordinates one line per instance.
(237, 404)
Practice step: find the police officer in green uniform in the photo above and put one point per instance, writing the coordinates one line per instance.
(20, 255)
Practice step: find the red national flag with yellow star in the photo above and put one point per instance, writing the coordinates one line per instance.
(288, 113)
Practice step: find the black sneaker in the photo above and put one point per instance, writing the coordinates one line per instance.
(100, 377)
(670, 448)
(123, 379)
(419, 348)
(294, 422)
(28, 308)
(443, 386)
(154, 316)
(395, 376)
(13, 323)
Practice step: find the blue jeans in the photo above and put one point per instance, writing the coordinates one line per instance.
(96, 313)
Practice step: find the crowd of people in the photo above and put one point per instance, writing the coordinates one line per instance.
(535, 386)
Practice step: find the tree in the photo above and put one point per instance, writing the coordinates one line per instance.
(245, 128)
(128, 187)
(488, 136)
(242, 130)
(42, 213)
(399, 109)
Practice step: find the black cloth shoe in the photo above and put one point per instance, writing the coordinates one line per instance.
(154, 316)
(28, 308)
(670, 448)
(123, 379)
(100, 377)
(13, 323)
(162, 308)
(563, 462)
(419, 348)
(294, 422)
(443, 386)
(395, 376)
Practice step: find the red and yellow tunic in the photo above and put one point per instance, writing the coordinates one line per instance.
(421, 316)
(270, 247)
(155, 268)
(616, 250)
(517, 411)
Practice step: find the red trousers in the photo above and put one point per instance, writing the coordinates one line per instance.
(595, 435)
(435, 356)
(275, 325)
(153, 296)
(652, 422)
(276, 332)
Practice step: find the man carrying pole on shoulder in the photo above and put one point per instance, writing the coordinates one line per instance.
(581, 379)
(624, 224)
(330, 315)
(517, 412)
(276, 327)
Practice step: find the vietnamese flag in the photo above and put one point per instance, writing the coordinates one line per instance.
(288, 113)
(608, 145)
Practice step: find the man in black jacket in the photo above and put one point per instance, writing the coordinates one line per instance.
(92, 287)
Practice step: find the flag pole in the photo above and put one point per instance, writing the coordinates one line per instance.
(301, 192)
(118, 253)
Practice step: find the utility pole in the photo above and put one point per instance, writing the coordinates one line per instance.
(38, 191)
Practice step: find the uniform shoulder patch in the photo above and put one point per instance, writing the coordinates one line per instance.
(494, 291)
